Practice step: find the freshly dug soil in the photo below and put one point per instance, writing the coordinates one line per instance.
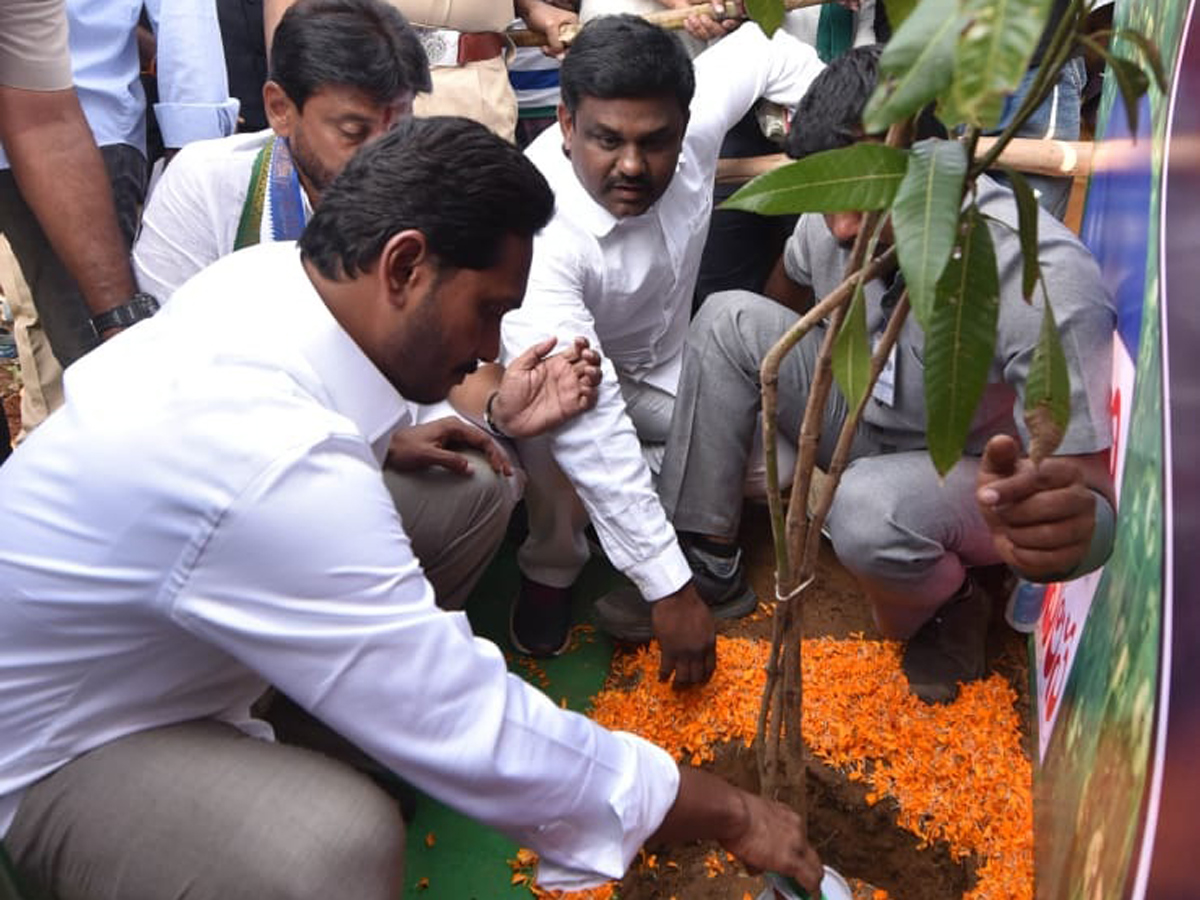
(861, 841)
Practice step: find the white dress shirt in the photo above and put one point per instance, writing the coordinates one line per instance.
(193, 89)
(191, 218)
(206, 515)
(626, 285)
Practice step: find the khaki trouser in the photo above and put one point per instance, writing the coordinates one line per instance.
(41, 375)
(478, 90)
(201, 810)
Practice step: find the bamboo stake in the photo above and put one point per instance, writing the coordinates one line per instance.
(1031, 155)
(669, 18)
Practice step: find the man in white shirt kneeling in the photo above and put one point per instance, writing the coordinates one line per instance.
(632, 171)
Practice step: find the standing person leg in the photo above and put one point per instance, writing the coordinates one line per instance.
(60, 305)
(201, 810)
(910, 539)
(41, 375)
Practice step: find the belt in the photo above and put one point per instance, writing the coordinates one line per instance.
(447, 47)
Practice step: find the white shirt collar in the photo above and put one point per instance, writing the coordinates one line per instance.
(353, 385)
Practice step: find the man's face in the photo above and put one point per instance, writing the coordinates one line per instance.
(455, 322)
(336, 120)
(624, 151)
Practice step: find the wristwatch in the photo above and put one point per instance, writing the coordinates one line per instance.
(140, 306)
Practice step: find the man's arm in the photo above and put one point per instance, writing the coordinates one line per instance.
(762, 833)
(735, 72)
(549, 20)
(193, 88)
(782, 289)
(62, 177)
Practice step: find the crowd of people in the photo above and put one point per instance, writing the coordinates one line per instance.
(298, 387)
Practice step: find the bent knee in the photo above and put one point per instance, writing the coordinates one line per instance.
(346, 845)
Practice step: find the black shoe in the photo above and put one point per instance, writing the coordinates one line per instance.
(540, 623)
(721, 582)
(950, 648)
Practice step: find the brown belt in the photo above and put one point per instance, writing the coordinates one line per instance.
(476, 46)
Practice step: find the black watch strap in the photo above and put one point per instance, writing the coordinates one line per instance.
(140, 306)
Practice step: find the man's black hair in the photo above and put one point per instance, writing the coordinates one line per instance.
(830, 113)
(621, 57)
(365, 44)
(449, 178)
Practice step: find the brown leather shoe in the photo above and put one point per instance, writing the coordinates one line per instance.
(951, 647)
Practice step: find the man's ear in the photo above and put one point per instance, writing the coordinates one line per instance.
(406, 265)
(566, 123)
(281, 111)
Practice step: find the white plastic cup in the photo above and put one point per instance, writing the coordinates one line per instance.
(833, 887)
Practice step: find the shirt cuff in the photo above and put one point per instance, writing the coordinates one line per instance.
(637, 806)
(182, 123)
(661, 575)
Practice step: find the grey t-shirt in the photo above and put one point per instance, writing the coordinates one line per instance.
(1082, 308)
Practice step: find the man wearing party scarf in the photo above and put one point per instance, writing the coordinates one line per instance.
(342, 73)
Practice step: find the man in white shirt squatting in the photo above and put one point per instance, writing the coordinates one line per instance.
(344, 72)
(632, 171)
(231, 529)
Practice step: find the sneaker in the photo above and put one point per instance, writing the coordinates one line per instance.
(623, 615)
(540, 622)
(721, 582)
(950, 648)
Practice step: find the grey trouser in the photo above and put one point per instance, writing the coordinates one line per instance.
(904, 533)
(200, 810)
(60, 306)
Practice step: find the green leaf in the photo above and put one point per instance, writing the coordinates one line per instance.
(1150, 51)
(1027, 231)
(1047, 391)
(767, 13)
(860, 177)
(898, 11)
(852, 351)
(917, 64)
(925, 218)
(960, 341)
(992, 56)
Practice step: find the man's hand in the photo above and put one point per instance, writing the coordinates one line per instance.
(706, 27)
(1041, 517)
(549, 20)
(687, 637)
(762, 833)
(774, 839)
(423, 446)
(538, 393)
